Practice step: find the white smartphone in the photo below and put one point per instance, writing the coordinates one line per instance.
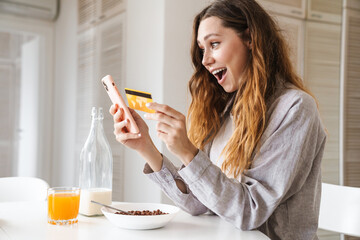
(116, 98)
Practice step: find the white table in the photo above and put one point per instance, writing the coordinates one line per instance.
(28, 220)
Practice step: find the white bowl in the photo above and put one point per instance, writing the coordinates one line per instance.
(140, 222)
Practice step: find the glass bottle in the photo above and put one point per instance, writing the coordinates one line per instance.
(96, 168)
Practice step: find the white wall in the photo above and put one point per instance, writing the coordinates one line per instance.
(144, 68)
(63, 158)
(158, 60)
(179, 16)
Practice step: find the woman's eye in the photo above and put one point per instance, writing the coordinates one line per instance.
(214, 44)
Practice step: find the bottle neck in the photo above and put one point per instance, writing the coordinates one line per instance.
(97, 118)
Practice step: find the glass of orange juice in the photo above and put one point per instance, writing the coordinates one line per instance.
(63, 205)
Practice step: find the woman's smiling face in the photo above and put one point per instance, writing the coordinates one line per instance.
(225, 54)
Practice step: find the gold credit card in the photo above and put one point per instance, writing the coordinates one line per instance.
(138, 99)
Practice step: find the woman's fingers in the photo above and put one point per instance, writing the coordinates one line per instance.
(119, 126)
(161, 117)
(123, 137)
(166, 115)
(166, 110)
(113, 109)
(119, 115)
(164, 128)
(122, 134)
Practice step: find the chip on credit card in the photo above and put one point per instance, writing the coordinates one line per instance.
(138, 99)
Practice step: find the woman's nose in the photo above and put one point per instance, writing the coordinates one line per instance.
(207, 58)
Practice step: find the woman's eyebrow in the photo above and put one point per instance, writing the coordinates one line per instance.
(209, 35)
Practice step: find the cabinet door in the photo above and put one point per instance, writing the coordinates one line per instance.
(91, 12)
(293, 32)
(325, 10)
(293, 8)
(87, 13)
(111, 54)
(85, 87)
(322, 76)
(352, 4)
(351, 76)
(111, 7)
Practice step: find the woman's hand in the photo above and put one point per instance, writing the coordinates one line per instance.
(131, 140)
(141, 142)
(171, 130)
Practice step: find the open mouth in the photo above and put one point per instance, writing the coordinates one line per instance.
(219, 74)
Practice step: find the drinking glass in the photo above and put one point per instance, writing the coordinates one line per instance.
(63, 205)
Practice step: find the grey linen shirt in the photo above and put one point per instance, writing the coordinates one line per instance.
(280, 194)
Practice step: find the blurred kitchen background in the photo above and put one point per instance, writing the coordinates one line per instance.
(53, 54)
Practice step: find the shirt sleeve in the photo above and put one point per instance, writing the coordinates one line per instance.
(165, 179)
(279, 170)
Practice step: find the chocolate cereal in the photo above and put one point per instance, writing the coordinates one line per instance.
(142, 213)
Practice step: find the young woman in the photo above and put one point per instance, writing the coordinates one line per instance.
(255, 141)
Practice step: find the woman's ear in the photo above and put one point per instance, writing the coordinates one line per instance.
(247, 38)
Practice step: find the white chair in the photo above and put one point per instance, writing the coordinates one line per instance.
(340, 209)
(22, 189)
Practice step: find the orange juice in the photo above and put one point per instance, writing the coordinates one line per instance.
(63, 206)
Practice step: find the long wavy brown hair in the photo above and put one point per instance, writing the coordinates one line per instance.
(269, 67)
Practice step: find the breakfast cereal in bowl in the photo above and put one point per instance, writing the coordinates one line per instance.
(140, 215)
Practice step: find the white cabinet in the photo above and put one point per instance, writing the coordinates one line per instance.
(85, 97)
(293, 32)
(91, 12)
(352, 4)
(101, 52)
(351, 79)
(86, 13)
(322, 76)
(292, 8)
(324, 10)
(317, 10)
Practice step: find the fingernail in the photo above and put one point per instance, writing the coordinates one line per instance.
(147, 104)
(139, 135)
